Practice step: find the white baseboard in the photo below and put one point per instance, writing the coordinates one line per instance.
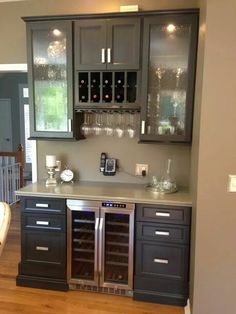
(187, 308)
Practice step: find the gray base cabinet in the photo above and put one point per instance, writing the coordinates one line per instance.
(43, 244)
(162, 254)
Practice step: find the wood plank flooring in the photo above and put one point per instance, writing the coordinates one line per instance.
(22, 300)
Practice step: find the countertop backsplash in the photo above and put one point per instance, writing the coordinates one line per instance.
(83, 158)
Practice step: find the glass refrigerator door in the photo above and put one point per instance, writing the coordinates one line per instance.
(117, 253)
(84, 242)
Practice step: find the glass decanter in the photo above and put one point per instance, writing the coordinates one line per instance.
(168, 183)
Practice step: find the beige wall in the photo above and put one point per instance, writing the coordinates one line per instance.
(215, 254)
(12, 28)
(196, 136)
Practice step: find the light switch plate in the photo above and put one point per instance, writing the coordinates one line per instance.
(232, 183)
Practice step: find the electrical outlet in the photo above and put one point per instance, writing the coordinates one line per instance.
(139, 168)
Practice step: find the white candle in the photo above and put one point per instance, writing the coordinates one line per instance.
(50, 161)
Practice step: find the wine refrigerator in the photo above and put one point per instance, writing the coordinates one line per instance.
(100, 246)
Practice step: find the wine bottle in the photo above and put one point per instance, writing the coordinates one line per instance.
(95, 97)
(119, 97)
(107, 97)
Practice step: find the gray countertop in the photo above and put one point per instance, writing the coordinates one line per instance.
(134, 193)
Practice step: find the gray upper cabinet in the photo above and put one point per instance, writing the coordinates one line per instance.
(50, 79)
(168, 77)
(107, 44)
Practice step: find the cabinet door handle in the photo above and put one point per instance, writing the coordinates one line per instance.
(160, 261)
(163, 233)
(160, 214)
(42, 205)
(143, 127)
(103, 60)
(69, 125)
(108, 55)
(41, 248)
(96, 250)
(42, 223)
(101, 245)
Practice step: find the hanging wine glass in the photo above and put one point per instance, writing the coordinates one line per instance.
(119, 129)
(97, 126)
(109, 124)
(85, 128)
(130, 128)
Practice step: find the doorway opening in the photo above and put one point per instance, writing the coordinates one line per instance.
(14, 118)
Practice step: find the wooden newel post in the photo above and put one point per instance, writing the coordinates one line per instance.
(20, 160)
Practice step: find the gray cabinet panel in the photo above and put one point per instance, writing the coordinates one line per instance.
(124, 41)
(90, 44)
(107, 44)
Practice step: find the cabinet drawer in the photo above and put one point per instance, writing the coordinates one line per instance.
(162, 232)
(43, 222)
(166, 214)
(45, 247)
(44, 205)
(169, 261)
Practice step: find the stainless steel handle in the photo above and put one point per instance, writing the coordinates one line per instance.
(108, 55)
(96, 250)
(69, 125)
(42, 223)
(143, 127)
(101, 245)
(160, 214)
(160, 261)
(103, 59)
(42, 248)
(42, 205)
(163, 233)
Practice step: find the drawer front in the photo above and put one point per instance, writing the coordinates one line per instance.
(40, 221)
(162, 232)
(166, 261)
(44, 205)
(45, 247)
(165, 214)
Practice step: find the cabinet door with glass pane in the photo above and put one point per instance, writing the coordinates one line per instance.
(168, 76)
(50, 78)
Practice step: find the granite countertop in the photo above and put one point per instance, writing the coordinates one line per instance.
(103, 191)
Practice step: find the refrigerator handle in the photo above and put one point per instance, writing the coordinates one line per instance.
(100, 262)
(96, 251)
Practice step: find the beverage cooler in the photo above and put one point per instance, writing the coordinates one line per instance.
(100, 246)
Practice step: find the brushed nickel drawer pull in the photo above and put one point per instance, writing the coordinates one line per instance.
(160, 214)
(161, 261)
(163, 233)
(41, 205)
(41, 248)
(42, 223)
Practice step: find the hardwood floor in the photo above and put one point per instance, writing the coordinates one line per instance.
(36, 301)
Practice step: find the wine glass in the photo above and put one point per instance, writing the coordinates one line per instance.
(97, 126)
(109, 124)
(119, 129)
(85, 128)
(130, 128)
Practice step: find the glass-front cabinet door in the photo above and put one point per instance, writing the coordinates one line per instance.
(168, 76)
(50, 78)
